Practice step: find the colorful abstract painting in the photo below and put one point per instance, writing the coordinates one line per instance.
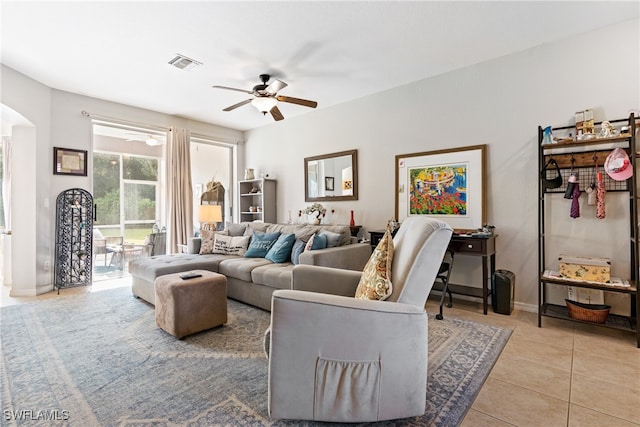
(438, 190)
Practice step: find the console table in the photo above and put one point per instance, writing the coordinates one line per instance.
(466, 244)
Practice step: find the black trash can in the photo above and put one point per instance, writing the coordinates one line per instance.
(502, 291)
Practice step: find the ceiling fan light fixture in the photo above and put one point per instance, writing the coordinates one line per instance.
(264, 104)
(152, 141)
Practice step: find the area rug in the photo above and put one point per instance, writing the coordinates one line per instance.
(98, 359)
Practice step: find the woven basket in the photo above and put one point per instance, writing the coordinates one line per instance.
(596, 313)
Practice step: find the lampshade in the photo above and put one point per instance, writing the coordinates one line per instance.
(208, 214)
(264, 104)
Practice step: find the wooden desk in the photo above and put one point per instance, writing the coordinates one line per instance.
(482, 246)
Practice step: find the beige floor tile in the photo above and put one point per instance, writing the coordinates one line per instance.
(533, 376)
(478, 419)
(520, 406)
(561, 337)
(613, 344)
(605, 397)
(535, 351)
(607, 369)
(584, 417)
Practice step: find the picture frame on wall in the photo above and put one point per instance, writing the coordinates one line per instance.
(329, 183)
(444, 184)
(68, 161)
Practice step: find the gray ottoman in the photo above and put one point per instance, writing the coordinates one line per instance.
(184, 307)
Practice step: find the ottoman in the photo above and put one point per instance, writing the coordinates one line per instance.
(187, 306)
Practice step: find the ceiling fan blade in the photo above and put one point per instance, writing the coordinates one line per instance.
(232, 88)
(276, 114)
(239, 104)
(275, 86)
(304, 102)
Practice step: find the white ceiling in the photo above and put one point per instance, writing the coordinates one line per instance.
(330, 52)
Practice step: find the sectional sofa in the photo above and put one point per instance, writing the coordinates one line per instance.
(253, 279)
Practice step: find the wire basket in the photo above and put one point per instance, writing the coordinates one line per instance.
(596, 313)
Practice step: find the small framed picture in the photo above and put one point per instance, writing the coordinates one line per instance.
(328, 183)
(67, 161)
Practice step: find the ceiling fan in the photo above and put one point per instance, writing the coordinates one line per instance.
(265, 97)
(148, 139)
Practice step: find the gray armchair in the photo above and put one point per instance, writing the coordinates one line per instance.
(336, 358)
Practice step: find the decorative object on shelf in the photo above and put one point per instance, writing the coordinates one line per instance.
(607, 130)
(316, 210)
(67, 161)
(585, 124)
(443, 184)
(208, 216)
(353, 221)
(249, 174)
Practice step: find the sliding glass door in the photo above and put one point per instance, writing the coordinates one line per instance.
(127, 188)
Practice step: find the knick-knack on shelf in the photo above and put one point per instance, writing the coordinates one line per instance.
(353, 221)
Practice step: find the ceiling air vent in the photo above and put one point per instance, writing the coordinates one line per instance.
(184, 63)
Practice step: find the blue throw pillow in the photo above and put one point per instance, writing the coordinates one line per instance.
(260, 244)
(319, 242)
(281, 249)
(296, 250)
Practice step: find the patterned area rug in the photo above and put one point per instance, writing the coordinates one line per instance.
(98, 359)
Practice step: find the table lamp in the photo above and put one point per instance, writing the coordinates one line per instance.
(208, 215)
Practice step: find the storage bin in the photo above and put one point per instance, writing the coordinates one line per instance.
(585, 268)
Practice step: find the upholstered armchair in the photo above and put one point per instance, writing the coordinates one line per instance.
(336, 358)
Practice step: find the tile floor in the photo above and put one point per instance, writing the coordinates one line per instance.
(563, 374)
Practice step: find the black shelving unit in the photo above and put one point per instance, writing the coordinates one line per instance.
(74, 238)
(578, 155)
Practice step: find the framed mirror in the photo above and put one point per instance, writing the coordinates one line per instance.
(331, 177)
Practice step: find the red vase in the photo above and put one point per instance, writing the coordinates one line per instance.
(352, 222)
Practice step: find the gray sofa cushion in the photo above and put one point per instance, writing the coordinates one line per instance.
(240, 267)
(152, 267)
(273, 275)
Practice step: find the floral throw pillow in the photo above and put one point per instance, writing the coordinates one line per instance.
(375, 283)
(208, 238)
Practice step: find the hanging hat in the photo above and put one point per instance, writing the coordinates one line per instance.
(618, 166)
(553, 182)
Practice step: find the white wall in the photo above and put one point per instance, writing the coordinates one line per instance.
(499, 103)
(58, 122)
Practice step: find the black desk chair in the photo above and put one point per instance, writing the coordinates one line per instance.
(443, 277)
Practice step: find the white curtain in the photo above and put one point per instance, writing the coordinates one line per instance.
(179, 190)
(6, 181)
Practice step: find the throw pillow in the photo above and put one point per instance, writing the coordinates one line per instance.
(333, 239)
(236, 229)
(206, 246)
(296, 250)
(230, 245)
(260, 244)
(281, 249)
(317, 241)
(375, 283)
